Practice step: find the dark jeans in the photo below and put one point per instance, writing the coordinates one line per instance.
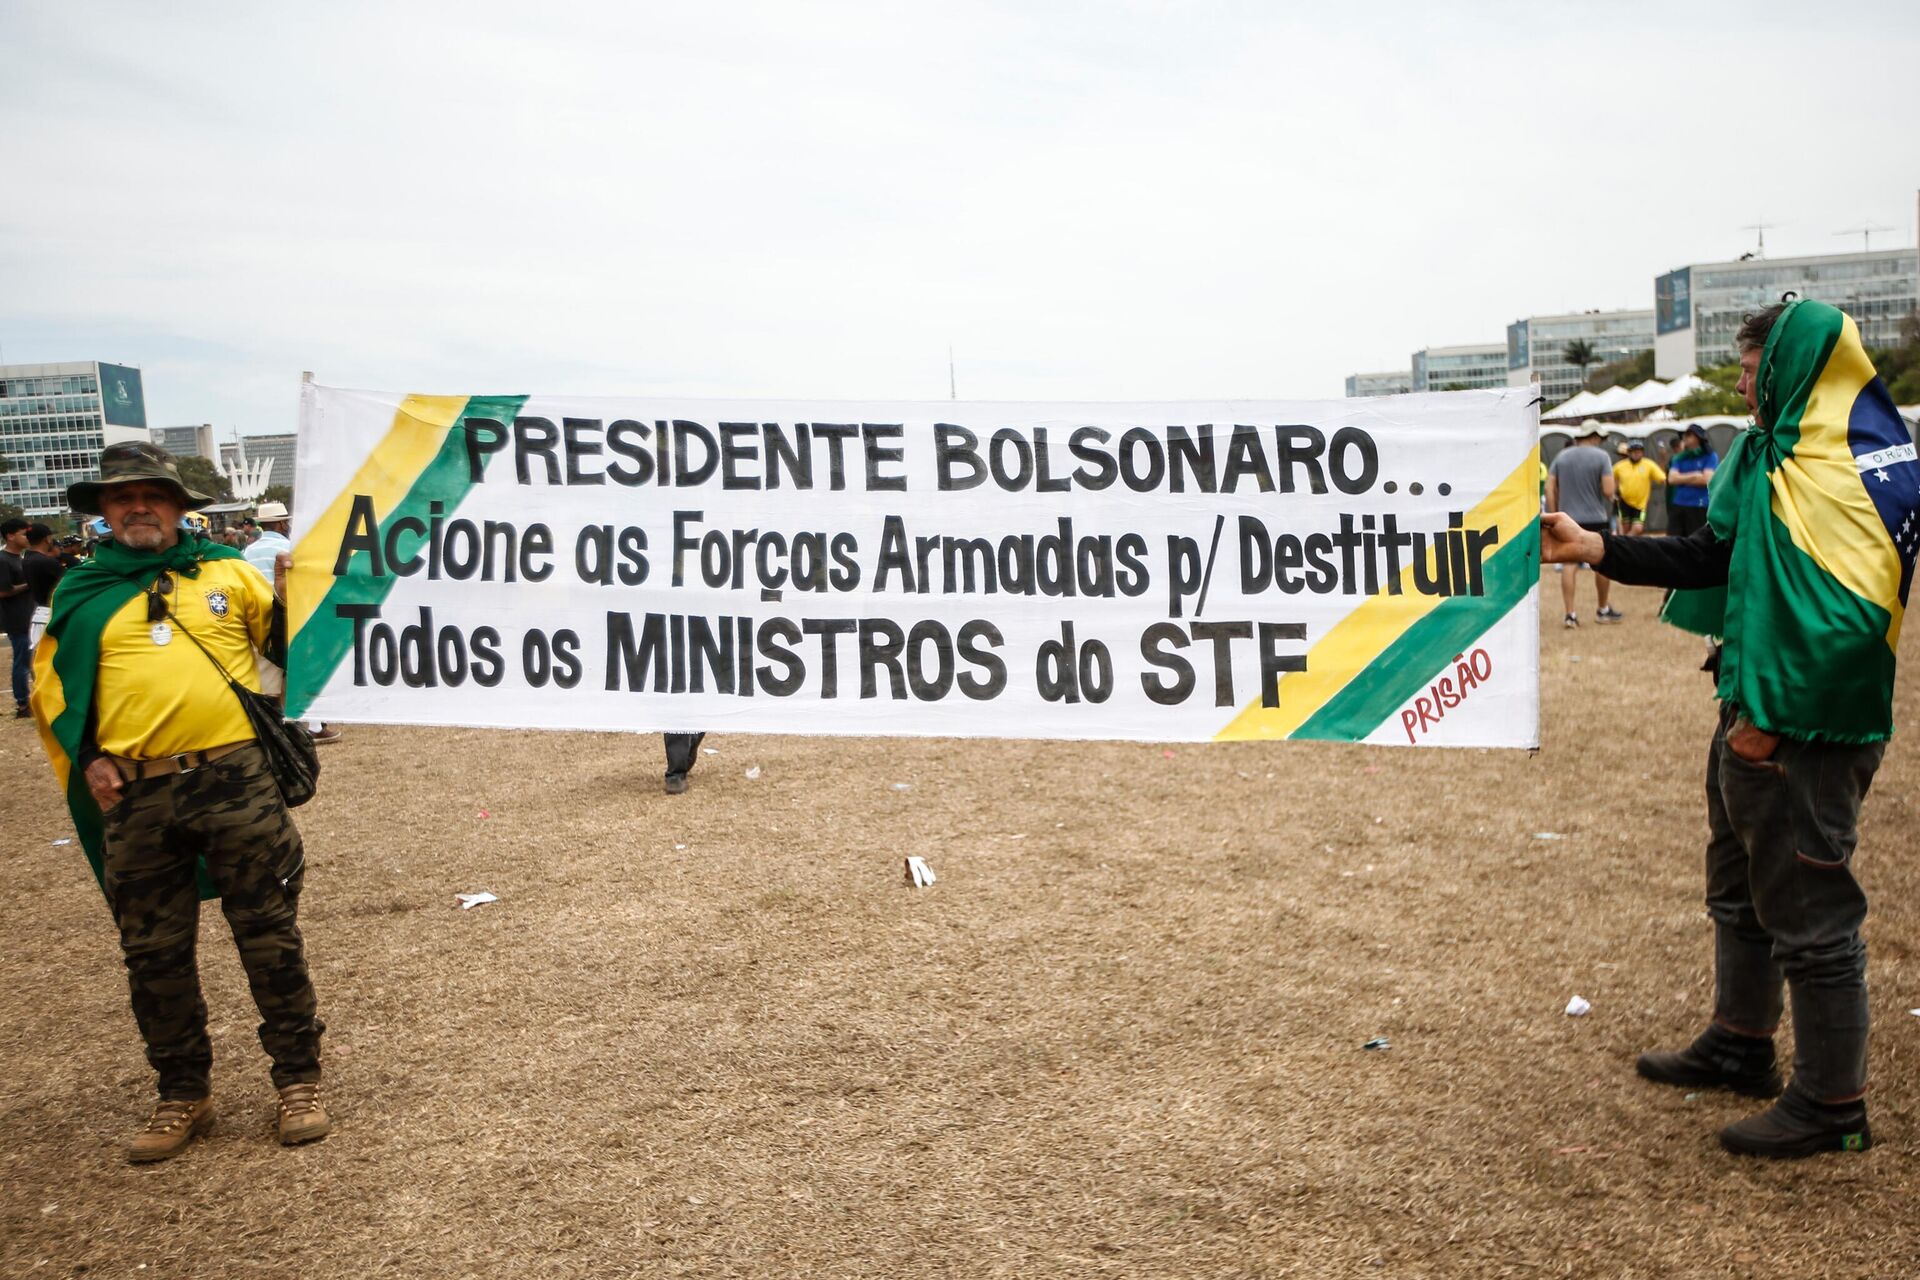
(230, 812)
(1785, 904)
(1686, 521)
(22, 661)
(682, 751)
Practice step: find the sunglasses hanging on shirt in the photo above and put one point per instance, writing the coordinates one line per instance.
(157, 609)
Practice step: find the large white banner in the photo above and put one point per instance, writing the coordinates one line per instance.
(1358, 570)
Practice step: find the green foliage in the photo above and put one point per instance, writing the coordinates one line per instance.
(1579, 353)
(278, 493)
(1630, 372)
(1900, 365)
(9, 510)
(200, 475)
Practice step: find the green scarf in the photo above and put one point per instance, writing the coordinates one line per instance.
(1822, 506)
(68, 660)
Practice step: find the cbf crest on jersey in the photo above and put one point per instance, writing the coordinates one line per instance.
(217, 603)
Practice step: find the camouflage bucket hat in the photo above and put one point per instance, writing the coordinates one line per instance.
(120, 463)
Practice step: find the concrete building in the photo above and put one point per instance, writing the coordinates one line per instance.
(1698, 308)
(1460, 368)
(186, 442)
(1392, 383)
(1536, 347)
(55, 419)
(277, 450)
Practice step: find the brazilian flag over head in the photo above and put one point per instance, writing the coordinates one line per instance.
(1821, 501)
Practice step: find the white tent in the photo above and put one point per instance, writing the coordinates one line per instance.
(1645, 398)
(1651, 394)
(1613, 400)
(1578, 407)
(1682, 386)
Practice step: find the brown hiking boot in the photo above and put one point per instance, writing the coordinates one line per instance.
(302, 1118)
(174, 1123)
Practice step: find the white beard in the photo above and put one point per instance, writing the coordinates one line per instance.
(144, 537)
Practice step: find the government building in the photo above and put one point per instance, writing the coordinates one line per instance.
(55, 419)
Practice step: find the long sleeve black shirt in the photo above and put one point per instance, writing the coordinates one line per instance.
(1699, 560)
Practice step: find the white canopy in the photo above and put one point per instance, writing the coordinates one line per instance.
(1578, 407)
(1613, 400)
(1645, 398)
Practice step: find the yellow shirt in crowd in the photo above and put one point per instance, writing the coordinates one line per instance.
(163, 699)
(1636, 480)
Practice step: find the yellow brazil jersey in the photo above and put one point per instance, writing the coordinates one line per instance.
(162, 699)
(1636, 480)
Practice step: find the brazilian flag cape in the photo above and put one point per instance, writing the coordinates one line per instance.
(68, 658)
(1822, 506)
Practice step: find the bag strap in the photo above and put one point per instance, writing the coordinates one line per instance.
(167, 613)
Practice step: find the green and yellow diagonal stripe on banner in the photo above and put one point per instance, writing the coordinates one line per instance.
(1391, 646)
(422, 460)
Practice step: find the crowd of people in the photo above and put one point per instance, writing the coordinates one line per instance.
(174, 799)
(1607, 496)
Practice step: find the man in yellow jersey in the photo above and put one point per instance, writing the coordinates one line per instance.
(169, 789)
(1634, 477)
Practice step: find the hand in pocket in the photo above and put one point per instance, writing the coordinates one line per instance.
(1750, 742)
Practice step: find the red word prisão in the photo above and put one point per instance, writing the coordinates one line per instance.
(1470, 671)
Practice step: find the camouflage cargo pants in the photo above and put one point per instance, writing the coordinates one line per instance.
(229, 812)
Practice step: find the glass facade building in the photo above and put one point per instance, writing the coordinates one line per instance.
(1460, 368)
(1536, 348)
(1702, 306)
(55, 419)
(1392, 383)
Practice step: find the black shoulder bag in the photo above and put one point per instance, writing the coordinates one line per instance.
(291, 756)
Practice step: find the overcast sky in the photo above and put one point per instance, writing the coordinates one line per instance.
(1087, 200)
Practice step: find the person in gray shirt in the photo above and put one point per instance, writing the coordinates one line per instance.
(1581, 483)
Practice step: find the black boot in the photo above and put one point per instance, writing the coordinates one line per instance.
(1794, 1127)
(682, 750)
(1718, 1059)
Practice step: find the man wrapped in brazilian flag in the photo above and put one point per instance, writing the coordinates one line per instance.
(1812, 527)
(170, 791)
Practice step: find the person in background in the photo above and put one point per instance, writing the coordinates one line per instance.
(275, 539)
(1688, 476)
(1580, 483)
(1634, 477)
(683, 749)
(275, 530)
(16, 609)
(43, 574)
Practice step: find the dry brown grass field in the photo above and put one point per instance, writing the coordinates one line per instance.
(717, 1035)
